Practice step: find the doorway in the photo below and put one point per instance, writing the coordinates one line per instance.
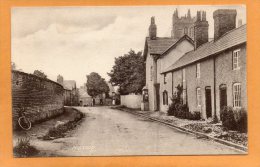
(222, 96)
(208, 101)
(157, 97)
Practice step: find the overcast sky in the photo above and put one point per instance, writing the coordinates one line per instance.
(75, 41)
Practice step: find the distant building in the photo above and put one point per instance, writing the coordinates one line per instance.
(183, 25)
(71, 94)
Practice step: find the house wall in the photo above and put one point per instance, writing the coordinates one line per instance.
(41, 98)
(165, 62)
(192, 83)
(226, 75)
(150, 83)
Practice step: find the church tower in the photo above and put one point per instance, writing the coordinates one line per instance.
(183, 25)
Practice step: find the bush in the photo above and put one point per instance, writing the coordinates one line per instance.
(234, 119)
(24, 148)
(180, 110)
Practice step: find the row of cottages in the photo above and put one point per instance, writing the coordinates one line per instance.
(212, 73)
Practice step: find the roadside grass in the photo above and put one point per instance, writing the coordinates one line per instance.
(60, 130)
(24, 148)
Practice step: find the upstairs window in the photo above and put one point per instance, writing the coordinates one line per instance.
(185, 30)
(183, 75)
(198, 91)
(164, 79)
(236, 59)
(198, 70)
(237, 95)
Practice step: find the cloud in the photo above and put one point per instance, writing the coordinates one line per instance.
(76, 41)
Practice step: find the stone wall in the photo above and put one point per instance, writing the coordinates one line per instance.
(41, 98)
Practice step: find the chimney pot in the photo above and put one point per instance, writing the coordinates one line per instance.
(224, 21)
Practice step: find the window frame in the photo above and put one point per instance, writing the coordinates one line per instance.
(183, 75)
(235, 60)
(198, 70)
(164, 79)
(198, 96)
(237, 98)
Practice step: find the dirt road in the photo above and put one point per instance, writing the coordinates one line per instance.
(112, 132)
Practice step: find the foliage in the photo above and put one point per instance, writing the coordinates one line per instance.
(39, 73)
(234, 119)
(60, 130)
(24, 148)
(96, 85)
(128, 73)
(180, 110)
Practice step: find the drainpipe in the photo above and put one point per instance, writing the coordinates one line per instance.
(214, 70)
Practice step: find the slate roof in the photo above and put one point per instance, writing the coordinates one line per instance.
(158, 46)
(69, 84)
(162, 45)
(232, 38)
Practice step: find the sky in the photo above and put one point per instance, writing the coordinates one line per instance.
(75, 41)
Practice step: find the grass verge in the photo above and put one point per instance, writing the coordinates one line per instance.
(60, 130)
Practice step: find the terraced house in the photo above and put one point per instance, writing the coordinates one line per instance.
(212, 73)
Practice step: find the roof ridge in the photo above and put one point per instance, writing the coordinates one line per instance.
(226, 33)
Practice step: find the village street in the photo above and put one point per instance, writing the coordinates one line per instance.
(107, 131)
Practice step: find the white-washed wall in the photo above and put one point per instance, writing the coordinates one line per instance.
(131, 101)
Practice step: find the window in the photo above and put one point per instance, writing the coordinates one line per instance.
(198, 96)
(184, 97)
(237, 95)
(183, 75)
(164, 79)
(236, 59)
(151, 73)
(185, 30)
(165, 97)
(198, 70)
(191, 32)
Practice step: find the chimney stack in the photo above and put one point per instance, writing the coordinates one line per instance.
(152, 29)
(201, 29)
(224, 21)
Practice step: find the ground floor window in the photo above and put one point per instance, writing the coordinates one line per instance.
(198, 91)
(165, 98)
(237, 95)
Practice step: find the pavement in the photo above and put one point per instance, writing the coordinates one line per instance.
(110, 132)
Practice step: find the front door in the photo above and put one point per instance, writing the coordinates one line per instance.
(208, 102)
(157, 97)
(223, 96)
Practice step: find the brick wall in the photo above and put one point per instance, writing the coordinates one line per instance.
(42, 98)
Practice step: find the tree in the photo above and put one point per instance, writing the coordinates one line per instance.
(96, 84)
(39, 73)
(128, 73)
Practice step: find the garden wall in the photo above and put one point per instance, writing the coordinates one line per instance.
(41, 98)
(131, 101)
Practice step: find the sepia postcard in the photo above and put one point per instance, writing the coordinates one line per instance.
(129, 80)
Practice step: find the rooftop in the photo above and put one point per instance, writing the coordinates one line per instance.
(232, 38)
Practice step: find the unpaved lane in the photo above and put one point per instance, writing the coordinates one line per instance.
(111, 132)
